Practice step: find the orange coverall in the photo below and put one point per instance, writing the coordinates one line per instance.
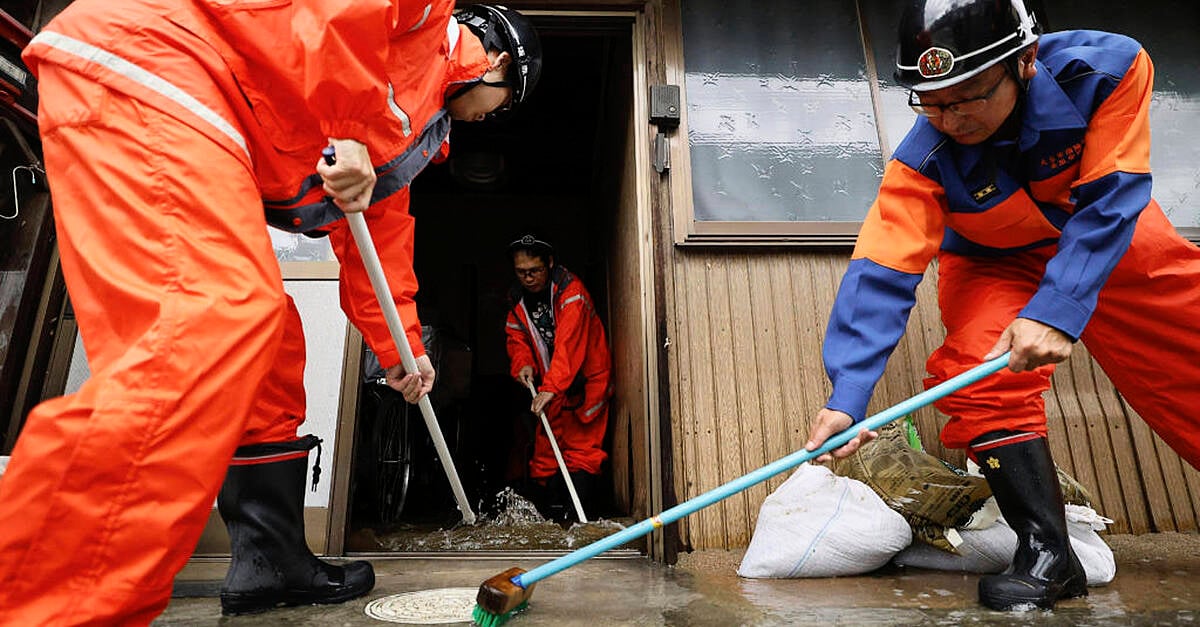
(165, 125)
(580, 351)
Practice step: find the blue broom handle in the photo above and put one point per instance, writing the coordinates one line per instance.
(697, 503)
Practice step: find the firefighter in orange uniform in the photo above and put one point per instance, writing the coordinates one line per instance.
(1028, 177)
(557, 342)
(173, 130)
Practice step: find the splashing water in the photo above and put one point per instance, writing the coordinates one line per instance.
(516, 525)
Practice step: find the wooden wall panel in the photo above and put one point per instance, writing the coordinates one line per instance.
(627, 409)
(767, 312)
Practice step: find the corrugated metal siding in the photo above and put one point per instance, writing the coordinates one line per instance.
(746, 376)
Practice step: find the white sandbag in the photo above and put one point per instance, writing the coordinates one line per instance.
(1095, 555)
(990, 550)
(818, 524)
(987, 550)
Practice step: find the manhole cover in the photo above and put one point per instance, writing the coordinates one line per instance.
(426, 607)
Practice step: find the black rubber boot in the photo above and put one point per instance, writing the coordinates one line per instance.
(1021, 473)
(262, 503)
(559, 506)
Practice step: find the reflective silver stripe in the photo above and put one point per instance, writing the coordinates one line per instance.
(142, 77)
(452, 33)
(594, 408)
(514, 326)
(428, 8)
(570, 300)
(398, 112)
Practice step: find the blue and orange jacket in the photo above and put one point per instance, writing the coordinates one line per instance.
(1076, 177)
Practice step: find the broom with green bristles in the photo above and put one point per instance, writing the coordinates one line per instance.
(508, 593)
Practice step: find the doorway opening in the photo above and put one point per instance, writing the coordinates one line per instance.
(557, 169)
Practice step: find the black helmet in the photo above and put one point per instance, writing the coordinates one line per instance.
(945, 42)
(501, 28)
(532, 246)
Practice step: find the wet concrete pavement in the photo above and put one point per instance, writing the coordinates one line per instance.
(1157, 583)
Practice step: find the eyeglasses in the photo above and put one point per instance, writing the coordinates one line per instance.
(970, 106)
(529, 273)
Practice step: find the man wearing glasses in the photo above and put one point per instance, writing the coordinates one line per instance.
(1028, 177)
(556, 342)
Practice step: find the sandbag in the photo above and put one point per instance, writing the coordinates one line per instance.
(933, 496)
(987, 550)
(990, 550)
(817, 524)
(1093, 552)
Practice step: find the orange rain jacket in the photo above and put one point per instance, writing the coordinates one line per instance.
(339, 73)
(580, 353)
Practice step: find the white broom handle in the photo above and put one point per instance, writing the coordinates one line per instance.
(366, 248)
(562, 465)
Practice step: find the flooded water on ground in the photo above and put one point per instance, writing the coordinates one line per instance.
(516, 526)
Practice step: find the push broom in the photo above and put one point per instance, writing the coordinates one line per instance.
(383, 293)
(508, 592)
(562, 465)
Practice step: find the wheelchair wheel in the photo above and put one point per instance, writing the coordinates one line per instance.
(391, 447)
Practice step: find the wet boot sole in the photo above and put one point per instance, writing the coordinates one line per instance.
(234, 604)
(1006, 602)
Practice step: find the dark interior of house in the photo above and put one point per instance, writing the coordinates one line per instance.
(549, 169)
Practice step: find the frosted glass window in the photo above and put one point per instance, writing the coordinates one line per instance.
(882, 20)
(780, 121)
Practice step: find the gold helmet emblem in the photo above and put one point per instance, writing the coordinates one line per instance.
(935, 62)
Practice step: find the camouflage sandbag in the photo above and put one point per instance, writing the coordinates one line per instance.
(931, 495)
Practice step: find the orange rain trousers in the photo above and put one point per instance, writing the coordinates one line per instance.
(580, 439)
(1145, 333)
(181, 307)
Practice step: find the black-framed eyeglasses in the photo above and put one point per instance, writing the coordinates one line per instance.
(970, 106)
(529, 273)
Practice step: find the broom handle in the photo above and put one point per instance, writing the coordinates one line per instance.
(366, 248)
(558, 455)
(697, 503)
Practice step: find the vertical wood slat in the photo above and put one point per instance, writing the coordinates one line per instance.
(1177, 490)
(725, 387)
(1154, 483)
(710, 521)
(684, 399)
(1135, 507)
(1106, 492)
(1070, 445)
(782, 401)
(743, 363)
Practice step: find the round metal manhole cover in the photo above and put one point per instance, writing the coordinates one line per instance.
(425, 607)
